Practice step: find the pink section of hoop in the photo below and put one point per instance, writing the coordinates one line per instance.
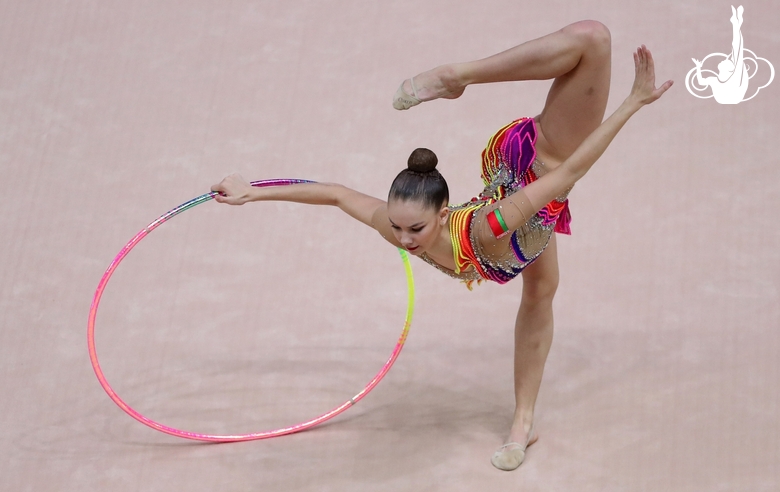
(239, 437)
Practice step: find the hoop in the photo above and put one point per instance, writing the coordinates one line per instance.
(240, 437)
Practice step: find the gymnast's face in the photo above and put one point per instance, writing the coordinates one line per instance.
(415, 225)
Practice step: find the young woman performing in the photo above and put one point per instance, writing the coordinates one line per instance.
(528, 168)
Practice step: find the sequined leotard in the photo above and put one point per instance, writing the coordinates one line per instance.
(508, 163)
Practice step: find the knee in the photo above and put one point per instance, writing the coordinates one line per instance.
(540, 291)
(593, 34)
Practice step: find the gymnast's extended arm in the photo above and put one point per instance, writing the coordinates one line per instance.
(519, 207)
(235, 190)
(703, 81)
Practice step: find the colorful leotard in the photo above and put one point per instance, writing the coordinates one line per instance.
(509, 163)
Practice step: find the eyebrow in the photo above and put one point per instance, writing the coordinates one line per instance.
(410, 227)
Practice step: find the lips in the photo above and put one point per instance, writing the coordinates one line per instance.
(412, 249)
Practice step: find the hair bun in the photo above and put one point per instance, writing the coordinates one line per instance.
(422, 161)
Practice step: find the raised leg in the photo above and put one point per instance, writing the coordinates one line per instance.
(736, 38)
(577, 57)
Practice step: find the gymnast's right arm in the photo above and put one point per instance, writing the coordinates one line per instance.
(530, 199)
(235, 190)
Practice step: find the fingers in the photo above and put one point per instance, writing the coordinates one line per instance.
(221, 195)
(644, 89)
(220, 190)
(228, 190)
(664, 87)
(643, 59)
(221, 187)
(649, 56)
(224, 198)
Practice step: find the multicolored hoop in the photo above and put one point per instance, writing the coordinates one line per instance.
(241, 437)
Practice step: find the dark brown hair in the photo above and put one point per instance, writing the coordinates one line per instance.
(420, 181)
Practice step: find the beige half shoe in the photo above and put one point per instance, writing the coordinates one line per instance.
(511, 455)
(402, 100)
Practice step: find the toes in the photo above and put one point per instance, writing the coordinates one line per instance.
(508, 460)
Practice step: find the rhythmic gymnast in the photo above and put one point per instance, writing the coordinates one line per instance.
(528, 168)
(731, 84)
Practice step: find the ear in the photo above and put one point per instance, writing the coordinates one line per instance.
(443, 214)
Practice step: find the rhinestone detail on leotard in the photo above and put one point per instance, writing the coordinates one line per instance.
(508, 164)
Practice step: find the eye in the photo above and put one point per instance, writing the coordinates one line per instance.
(418, 229)
(395, 227)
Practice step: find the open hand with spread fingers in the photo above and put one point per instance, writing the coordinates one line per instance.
(644, 90)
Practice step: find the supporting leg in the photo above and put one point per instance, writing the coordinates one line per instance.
(533, 338)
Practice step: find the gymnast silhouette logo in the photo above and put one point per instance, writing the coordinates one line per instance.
(735, 70)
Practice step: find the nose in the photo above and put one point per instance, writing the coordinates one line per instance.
(406, 240)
